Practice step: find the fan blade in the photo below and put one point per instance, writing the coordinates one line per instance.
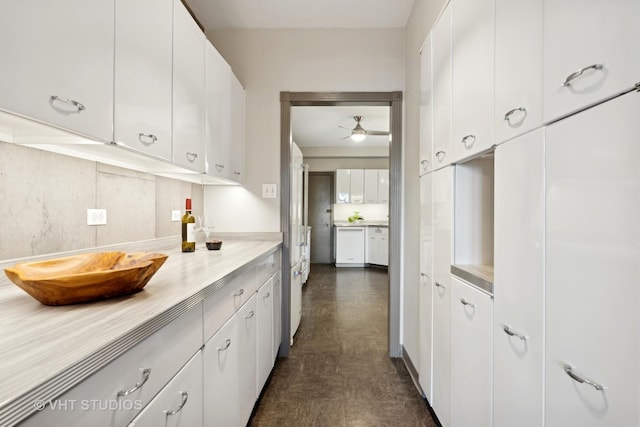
(348, 136)
(349, 129)
(377, 132)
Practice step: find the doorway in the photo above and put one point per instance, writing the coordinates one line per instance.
(321, 185)
(389, 99)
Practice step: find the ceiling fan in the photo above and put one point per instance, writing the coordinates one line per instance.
(358, 133)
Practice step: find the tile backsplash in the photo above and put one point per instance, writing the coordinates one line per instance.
(44, 199)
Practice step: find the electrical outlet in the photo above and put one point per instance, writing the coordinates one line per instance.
(175, 215)
(269, 191)
(96, 216)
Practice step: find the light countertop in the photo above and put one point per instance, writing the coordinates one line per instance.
(363, 223)
(40, 344)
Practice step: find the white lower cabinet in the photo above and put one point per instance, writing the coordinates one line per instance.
(230, 370)
(425, 327)
(592, 367)
(296, 299)
(264, 334)
(471, 355)
(518, 322)
(277, 314)
(350, 245)
(179, 403)
(377, 250)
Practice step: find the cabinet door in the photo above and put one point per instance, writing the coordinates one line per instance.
(442, 210)
(441, 45)
(426, 283)
(188, 91)
(296, 299)
(343, 186)
(471, 356)
(518, 74)
(473, 38)
(350, 245)
(383, 185)
(518, 323)
(426, 107)
(371, 186)
(143, 76)
(265, 334)
(383, 248)
(277, 314)
(218, 120)
(179, 403)
(61, 63)
(594, 60)
(357, 185)
(371, 248)
(592, 258)
(237, 129)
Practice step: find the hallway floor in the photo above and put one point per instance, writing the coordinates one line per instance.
(338, 372)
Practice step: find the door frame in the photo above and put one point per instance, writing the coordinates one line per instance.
(332, 196)
(389, 99)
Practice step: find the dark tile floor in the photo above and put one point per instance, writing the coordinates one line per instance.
(338, 372)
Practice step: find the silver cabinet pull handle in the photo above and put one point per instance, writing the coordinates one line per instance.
(424, 163)
(467, 303)
(440, 155)
(79, 106)
(219, 167)
(251, 314)
(579, 378)
(424, 275)
(192, 156)
(145, 376)
(227, 343)
(236, 173)
(468, 140)
(240, 292)
(507, 330)
(576, 74)
(297, 273)
(509, 113)
(185, 397)
(144, 136)
(439, 285)
(267, 295)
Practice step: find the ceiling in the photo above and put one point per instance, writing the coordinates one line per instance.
(216, 14)
(319, 126)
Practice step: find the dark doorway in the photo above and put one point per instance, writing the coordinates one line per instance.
(320, 217)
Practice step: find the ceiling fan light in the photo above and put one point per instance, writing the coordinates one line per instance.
(358, 136)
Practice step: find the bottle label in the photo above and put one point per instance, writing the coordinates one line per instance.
(191, 232)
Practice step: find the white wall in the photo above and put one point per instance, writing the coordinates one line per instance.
(422, 18)
(270, 61)
(333, 163)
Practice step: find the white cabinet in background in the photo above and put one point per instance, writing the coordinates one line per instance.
(277, 314)
(425, 327)
(518, 316)
(377, 248)
(376, 186)
(296, 299)
(58, 64)
(357, 186)
(471, 355)
(350, 246)
(442, 96)
(143, 55)
(229, 364)
(188, 91)
(179, 404)
(426, 107)
(442, 211)
(473, 74)
(592, 258)
(237, 111)
(518, 69)
(218, 119)
(594, 59)
(264, 315)
(350, 186)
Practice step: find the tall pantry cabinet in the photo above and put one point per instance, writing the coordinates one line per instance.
(564, 329)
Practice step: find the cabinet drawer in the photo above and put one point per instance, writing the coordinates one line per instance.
(179, 403)
(267, 267)
(141, 373)
(220, 306)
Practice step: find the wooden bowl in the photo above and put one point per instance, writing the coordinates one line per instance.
(85, 277)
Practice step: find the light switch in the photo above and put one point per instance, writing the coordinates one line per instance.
(269, 191)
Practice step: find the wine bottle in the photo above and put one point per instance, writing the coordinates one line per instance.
(188, 229)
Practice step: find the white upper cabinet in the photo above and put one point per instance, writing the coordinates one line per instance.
(426, 107)
(441, 75)
(142, 112)
(473, 66)
(238, 131)
(357, 185)
(591, 259)
(376, 186)
(218, 122)
(58, 63)
(589, 50)
(350, 186)
(518, 73)
(383, 185)
(518, 320)
(188, 91)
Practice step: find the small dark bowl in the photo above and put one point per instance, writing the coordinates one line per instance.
(214, 245)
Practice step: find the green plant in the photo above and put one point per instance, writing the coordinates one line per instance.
(355, 217)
